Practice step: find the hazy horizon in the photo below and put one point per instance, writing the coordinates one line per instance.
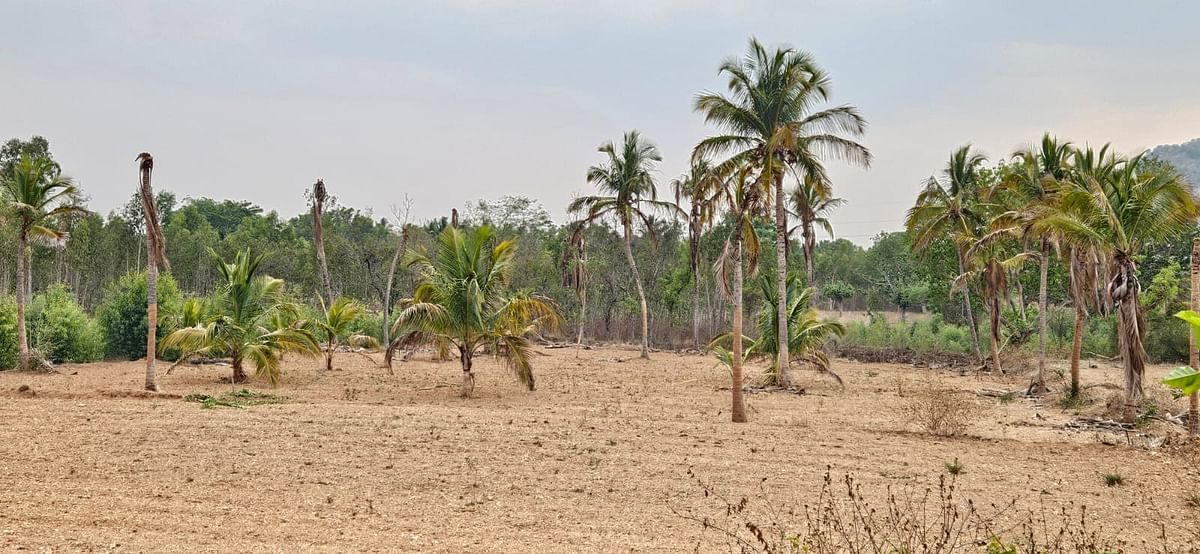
(460, 100)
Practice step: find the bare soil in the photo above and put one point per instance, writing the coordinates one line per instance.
(595, 460)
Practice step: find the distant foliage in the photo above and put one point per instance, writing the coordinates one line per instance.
(8, 332)
(61, 331)
(1185, 157)
(122, 313)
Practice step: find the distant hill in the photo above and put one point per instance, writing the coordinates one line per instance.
(1185, 157)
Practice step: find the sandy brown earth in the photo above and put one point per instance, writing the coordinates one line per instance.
(596, 459)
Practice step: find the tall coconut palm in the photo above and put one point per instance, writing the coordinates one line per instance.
(985, 262)
(156, 253)
(319, 196)
(1118, 206)
(34, 193)
(699, 187)
(811, 202)
(1037, 177)
(627, 176)
(743, 199)
(952, 207)
(462, 300)
(768, 121)
(575, 262)
(243, 321)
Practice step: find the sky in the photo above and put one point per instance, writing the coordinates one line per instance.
(447, 102)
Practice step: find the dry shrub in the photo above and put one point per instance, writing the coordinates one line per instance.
(943, 412)
(843, 518)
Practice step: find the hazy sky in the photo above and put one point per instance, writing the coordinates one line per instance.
(457, 100)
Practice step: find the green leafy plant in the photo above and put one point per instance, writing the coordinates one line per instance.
(1185, 379)
(1113, 479)
(61, 330)
(122, 313)
(955, 468)
(234, 399)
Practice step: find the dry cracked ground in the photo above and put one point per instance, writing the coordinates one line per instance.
(596, 460)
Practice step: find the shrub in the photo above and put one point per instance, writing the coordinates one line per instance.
(941, 412)
(61, 331)
(122, 313)
(8, 332)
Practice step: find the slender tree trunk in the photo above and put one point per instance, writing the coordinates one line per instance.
(784, 360)
(387, 293)
(994, 312)
(694, 251)
(637, 279)
(151, 316)
(809, 247)
(581, 284)
(468, 380)
(319, 239)
(329, 357)
(739, 404)
(967, 309)
(22, 337)
(1193, 353)
(1077, 348)
(1039, 387)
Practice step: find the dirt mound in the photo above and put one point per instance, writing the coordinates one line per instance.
(919, 358)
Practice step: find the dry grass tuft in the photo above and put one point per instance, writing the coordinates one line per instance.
(942, 412)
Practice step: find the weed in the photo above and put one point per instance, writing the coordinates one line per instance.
(1113, 479)
(955, 467)
(1007, 397)
(234, 399)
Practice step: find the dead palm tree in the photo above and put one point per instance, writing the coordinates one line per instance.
(318, 209)
(769, 123)
(575, 262)
(627, 177)
(34, 192)
(811, 202)
(156, 253)
(699, 187)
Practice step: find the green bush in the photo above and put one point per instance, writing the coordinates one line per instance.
(933, 335)
(122, 313)
(8, 332)
(370, 324)
(61, 330)
(1165, 339)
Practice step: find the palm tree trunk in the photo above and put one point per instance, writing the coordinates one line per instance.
(809, 247)
(319, 239)
(581, 285)
(694, 252)
(739, 405)
(994, 313)
(1124, 291)
(151, 316)
(239, 374)
(1077, 348)
(637, 279)
(468, 382)
(1043, 275)
(783, 363)
(387, 292)
(967, 309)
(22, 337)
(1193, 352)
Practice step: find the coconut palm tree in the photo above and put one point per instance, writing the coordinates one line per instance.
(1037, 175)
(335, 322)
(319, 196)
(156, 253)
(627, 176)
(575, 263)
(743, 199)
(809, 334)
(247, 320)
(699, 187)
(985, 262)
(768, 121)
(34, 193)
(1118, 206)
(462, 300)
(811, 202)
(952, 207)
